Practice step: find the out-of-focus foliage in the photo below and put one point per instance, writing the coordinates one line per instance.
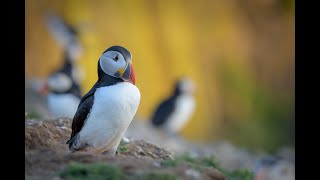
(240, 54)
(211, 161)
(91, 171)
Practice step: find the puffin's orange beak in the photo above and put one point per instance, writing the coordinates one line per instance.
(44, 89)
(132, 75)
(129, 75)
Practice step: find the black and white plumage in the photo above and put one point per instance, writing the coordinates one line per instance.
(62, 86)
(106, 111)
(67, 36)
(63, 93)
(174, 112)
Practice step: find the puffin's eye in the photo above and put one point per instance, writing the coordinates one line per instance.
(116, 58)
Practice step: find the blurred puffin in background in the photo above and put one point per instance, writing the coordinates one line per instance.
(106, 111)
(67, 37)
(173, 113)
(62, 86)
(63, 94)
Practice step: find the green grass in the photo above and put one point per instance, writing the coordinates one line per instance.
(32, 115)
(96, 171)
(210, 161)
(239, 174)
(155, 176)
(122, 147)
(169, 163)
(104, 171)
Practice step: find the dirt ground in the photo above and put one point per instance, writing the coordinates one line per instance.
(46, 154)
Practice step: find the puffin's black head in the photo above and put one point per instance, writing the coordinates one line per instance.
(184, 86)
(116, 62)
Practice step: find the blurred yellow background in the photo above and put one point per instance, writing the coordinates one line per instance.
(240, 54)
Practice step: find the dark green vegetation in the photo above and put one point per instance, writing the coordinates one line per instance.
(91, 171)
(122, 147)
(104, 171)
(239, 174)
(155, 176)
(32, 115)
(260, 111)
(211, 161)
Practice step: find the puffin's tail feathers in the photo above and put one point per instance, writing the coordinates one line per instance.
(71, 143)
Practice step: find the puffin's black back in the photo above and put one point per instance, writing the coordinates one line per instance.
(65, 31)
(67, 69)
(67, 66)
(163, 111)
(166, 108)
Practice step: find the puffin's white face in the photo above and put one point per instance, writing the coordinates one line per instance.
(187, 86)
(113, 63)
(59, 82)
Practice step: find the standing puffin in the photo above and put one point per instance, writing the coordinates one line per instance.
(67, 36)
(174, 112)
(107, 110)
(62, 86)
(63, 93)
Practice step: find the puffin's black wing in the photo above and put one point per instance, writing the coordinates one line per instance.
(82, 113)
(76, 90)
(163, 111)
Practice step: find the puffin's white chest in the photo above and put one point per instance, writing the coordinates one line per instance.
(112, 112)
(63, 105)
(184, 108)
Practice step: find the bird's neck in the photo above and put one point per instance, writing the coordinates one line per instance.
(107, 80)
(67, 67)
(176, 92)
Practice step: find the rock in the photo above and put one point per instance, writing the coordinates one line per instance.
(143, 149)
(46, 134)
(46, 154)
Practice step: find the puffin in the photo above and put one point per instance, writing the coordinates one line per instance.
(106, 111)
(62, 88)
(173, 113)
(62, 92)
(67, 36)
